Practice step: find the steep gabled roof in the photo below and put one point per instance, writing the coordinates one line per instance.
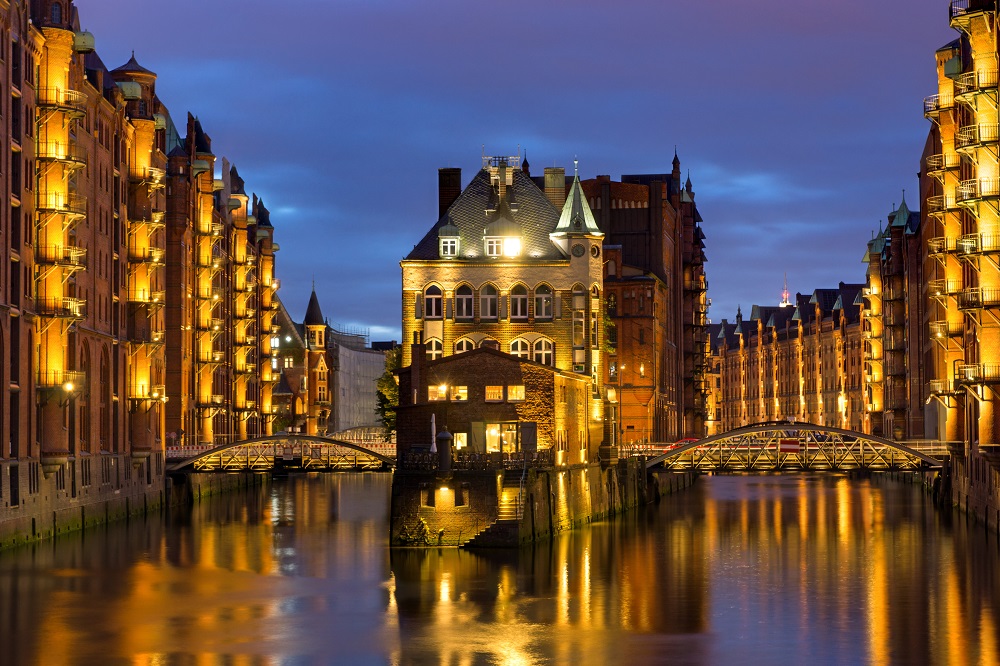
(469, 214)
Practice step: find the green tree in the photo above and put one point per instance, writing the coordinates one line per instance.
(388, 391)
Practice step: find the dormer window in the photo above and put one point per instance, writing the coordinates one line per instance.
(494, 247)
(449, 247)
(512, 246)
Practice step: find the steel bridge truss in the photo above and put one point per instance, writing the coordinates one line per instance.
(793, 447)
(304, 453)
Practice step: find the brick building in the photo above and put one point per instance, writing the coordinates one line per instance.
(106, 353)
(514, 268)
(959, 247)
(799, 361)
(655, 303)
(493, 402)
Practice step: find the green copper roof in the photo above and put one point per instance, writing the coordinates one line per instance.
(576, 217)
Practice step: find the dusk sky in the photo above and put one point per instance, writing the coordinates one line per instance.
(800, 123)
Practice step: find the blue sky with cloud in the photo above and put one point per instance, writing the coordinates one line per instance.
(799, 122)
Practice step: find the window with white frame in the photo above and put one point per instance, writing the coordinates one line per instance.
(488, 302)
(464, 345)
(543, 302)
(520, 349)
(519, 302)
(449, 247)
(460, 393)
(494, 247)
(543, 351)
(434, 349)
(494, 394)
(463, 302)
(432, 302)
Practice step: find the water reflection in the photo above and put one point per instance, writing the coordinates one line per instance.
(738, 569)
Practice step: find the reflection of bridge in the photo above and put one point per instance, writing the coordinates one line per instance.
(305, 453)
(786, 446)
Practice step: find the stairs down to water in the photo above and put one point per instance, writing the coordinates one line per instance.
(505, 531)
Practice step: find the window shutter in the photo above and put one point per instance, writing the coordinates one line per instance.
(503, 307)
(418, 310)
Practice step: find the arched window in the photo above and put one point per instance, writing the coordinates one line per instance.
(488, 302)
(520, 349)
(464, 345)
(57, 13)
(543, 351)
(432, 302)
(463, 302)
(543, 302)
(612, 305)
(489, 343)
(434, 349)
(519, 302)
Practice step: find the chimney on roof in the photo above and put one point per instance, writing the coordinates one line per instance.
(449, 187)
(555, 186)
(502, 177)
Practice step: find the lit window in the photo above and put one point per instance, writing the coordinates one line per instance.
(463, 302)
(511, 246)
(515, 392)
(464, 345)
(519, 348)
(461, 439)
(543, 351)
(494, 394)
(449, 247)
(519, 302)
(434, 349)
(494, 247)
(432, 302)
(543, 302)
(488, 302)
(437, 393)
(289, 361)
(460, 393)
(275, 341)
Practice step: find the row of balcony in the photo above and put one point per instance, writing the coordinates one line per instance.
(152, 176)
(968, 244)
(972, 136)
(67, 153)
(60, 99)
(155, 220)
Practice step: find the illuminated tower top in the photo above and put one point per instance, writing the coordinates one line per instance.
(785, 302)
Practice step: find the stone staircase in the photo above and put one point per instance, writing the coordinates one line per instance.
(505, 531)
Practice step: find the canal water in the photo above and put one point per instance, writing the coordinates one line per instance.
(735, 570)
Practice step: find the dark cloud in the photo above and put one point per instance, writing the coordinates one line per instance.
(800, 122)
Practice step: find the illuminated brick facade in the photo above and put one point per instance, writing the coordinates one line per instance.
(656, 302)
(99, 184)
(960, 183)
(893, 328)
(798, 362)
(514, 268)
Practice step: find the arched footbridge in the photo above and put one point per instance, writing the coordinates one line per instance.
(305, 453)
(795, 447)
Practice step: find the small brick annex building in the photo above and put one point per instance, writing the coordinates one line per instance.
(492, 402)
